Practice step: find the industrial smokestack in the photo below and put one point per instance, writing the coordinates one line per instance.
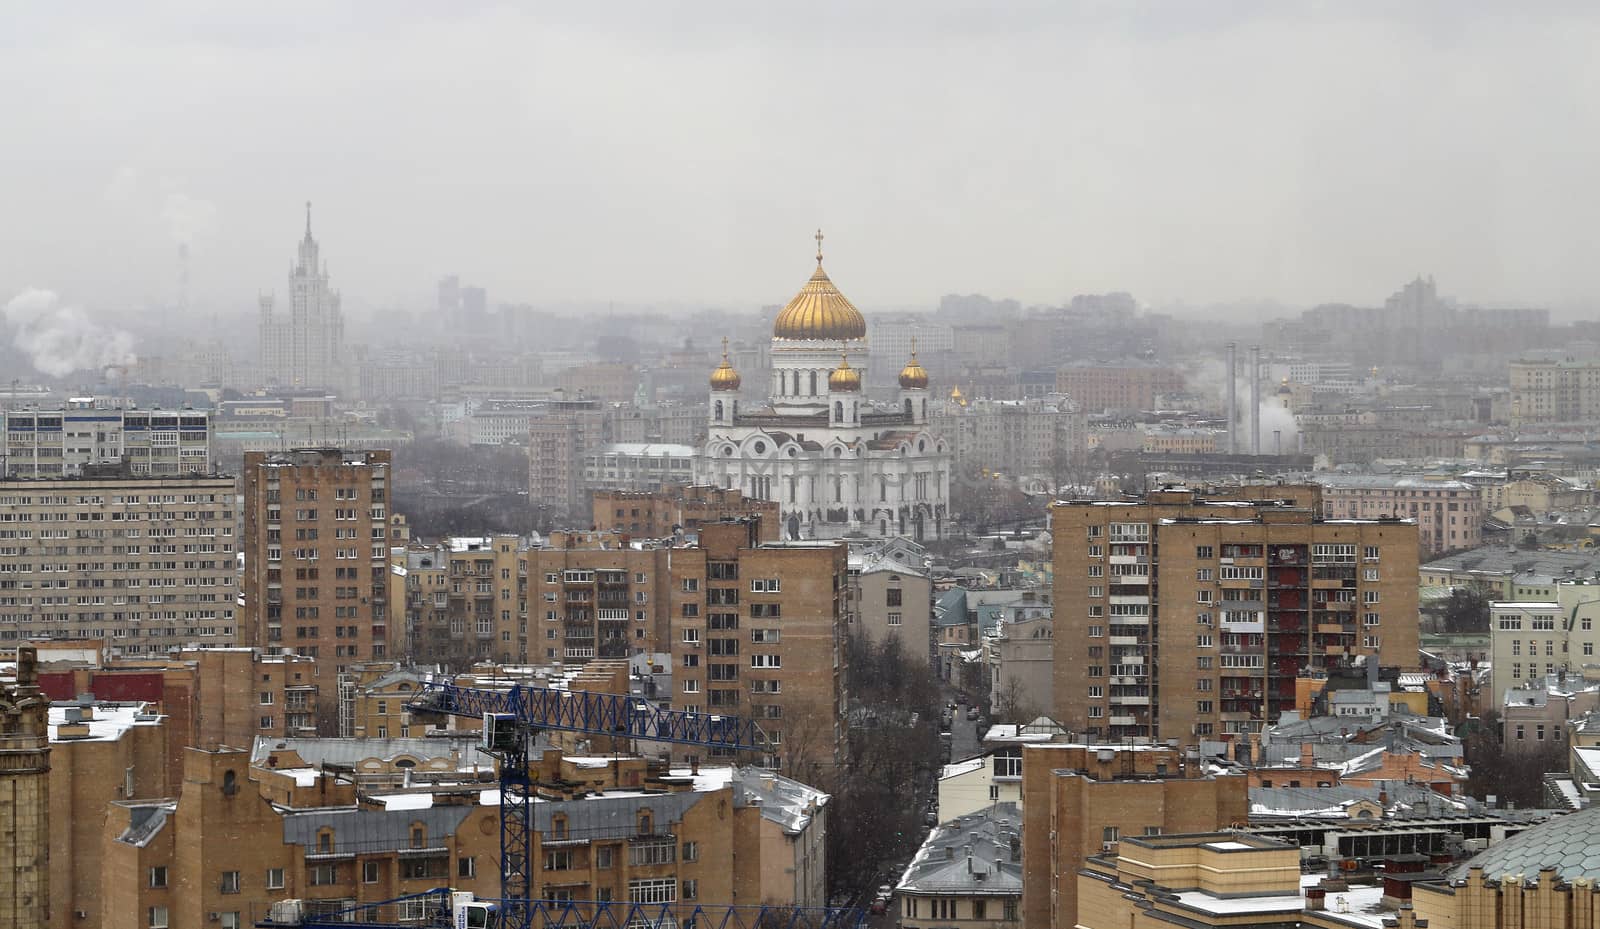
(1255, 399)
(1233, 398)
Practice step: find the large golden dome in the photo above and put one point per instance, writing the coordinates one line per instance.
(844, 377)
(820, 311)
(725, 378)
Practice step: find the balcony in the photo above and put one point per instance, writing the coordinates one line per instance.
(1130, 701)
(1123, 720)
(1125, 640)
(1138, 600)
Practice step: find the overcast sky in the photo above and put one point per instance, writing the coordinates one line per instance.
(685, 152)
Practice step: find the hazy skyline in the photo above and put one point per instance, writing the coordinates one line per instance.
(684, 153)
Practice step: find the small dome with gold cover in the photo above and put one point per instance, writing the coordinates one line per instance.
(844, 377)
(724, 377)
(819, 311)
(913, 376)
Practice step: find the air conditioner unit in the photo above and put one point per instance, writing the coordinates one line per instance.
(213, 917)
(1108, 846)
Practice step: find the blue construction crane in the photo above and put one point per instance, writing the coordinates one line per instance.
(511, 719)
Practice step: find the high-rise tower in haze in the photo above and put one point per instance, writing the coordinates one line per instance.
(306, 349)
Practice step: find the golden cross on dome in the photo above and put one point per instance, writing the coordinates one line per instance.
(819, 246)
(913, 345)
(724, 348)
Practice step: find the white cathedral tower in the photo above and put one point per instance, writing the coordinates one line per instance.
(835, 464)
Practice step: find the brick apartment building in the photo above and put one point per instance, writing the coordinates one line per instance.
(1081, 800)
(316, 578)
(145, 563)
(625, 831)
(1186, 616)
(684, 507)
(1116, 387)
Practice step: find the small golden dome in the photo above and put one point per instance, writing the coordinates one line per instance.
(844, 377)
(956, 395)
(725, 378)
(1284, 388)
(820, 311)
(913, 375)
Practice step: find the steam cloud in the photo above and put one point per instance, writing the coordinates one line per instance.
(61, 338)
(1209, 378)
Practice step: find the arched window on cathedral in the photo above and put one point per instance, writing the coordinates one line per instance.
(883, 488)
(908, 406)
(924, 409)
(838, 410)
(719, 409)
(791, 489)
(813, 383)
(855, 411)
(838, 490)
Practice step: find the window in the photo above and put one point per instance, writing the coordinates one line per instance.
(691, 890)
(1203, 663)
(1202, 641)
(230, 920)
(371, 872)
(653, 851)
(1009, 910)
(230, 882)
(766, 661)
(1204, 553)
(156, 917)
(994, 791)
(324, 874)
(1008, 766)
(1369, 574)
(603, 856)
(1202, 706)
(558, 860)
(892, 597)
(1096, 632)
(274, 878)
(895, 619)
(1588, 648)
(158, 876)
(1096, 691)
(1097, 570)
(979, 907)
(1110, 834)
(266, 698)
(1203, 574)
(653, 890)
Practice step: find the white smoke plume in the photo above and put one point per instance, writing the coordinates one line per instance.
(62, 338)
(1208, 378)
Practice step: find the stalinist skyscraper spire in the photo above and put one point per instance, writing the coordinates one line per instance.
(307, 349)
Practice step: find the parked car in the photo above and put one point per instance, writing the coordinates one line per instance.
(972, 712)
(879, 907)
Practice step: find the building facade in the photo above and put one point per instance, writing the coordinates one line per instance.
(145, 563)
(557, 444)
(61, 443)
(1448, 514)
(1555, 391)
(317, 555)
(25, 798)
(1188, 617)
(835, 463)
(306, 349)
(1096, 389)
(661, 514)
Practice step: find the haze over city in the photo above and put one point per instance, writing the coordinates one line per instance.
(680, 154)
(911, 464)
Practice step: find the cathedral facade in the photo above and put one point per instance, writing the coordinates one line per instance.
(836, 464)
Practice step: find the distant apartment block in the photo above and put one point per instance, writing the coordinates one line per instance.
(638, 466)
(1448, 514)
(1557, 391)
(1117, 387)
(60, 443)
(145, 563)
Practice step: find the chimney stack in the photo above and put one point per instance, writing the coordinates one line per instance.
(1233, 398)
(1255, 399)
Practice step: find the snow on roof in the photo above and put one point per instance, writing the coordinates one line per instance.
(406, 801)
(110, 722)
(963, 767)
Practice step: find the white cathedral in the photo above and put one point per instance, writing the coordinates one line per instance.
(836, 464)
